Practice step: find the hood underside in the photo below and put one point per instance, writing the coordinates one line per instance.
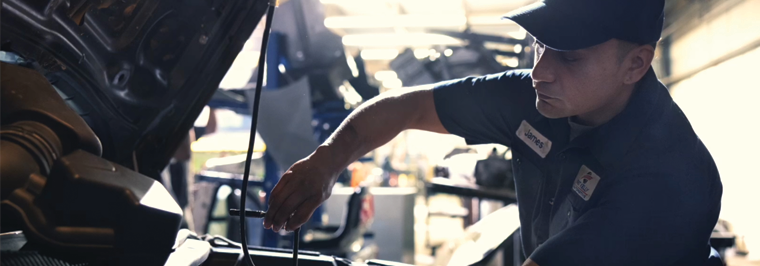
(138, 71)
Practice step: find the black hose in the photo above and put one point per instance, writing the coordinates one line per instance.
(252, 139)
(296, 240)
(261, 214)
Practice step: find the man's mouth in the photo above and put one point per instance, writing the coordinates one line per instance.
(544, 97)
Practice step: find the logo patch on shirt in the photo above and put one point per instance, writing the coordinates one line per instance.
(585, 183)
(535, 140)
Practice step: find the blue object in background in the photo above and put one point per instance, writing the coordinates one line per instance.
(271, 177)
(327, 117)
(273, 61)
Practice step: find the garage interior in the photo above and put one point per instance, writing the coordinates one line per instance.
(419, 199)
(706, 57)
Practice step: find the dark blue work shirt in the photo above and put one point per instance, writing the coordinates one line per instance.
(641, 189)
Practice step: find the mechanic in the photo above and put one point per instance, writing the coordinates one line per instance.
(608, 169)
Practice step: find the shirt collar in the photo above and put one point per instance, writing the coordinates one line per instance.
(609, 142)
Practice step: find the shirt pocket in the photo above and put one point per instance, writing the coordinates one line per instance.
(577, 206)
(528, 178)
(565, 214)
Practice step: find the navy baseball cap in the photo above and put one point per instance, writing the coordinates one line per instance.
(576, 24)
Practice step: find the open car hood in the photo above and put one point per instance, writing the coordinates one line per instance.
(138, 71)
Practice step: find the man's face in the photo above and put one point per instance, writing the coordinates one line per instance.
(576, 82)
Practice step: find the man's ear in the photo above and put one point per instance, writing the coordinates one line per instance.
(638, 62)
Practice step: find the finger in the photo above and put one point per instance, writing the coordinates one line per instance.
(302, 214)
(281, 185)
(279, 194)
(286, 210)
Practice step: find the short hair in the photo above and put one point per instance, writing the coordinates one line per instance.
(624, 47)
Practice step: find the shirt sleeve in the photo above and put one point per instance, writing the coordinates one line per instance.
(652, 219)
(485, 109)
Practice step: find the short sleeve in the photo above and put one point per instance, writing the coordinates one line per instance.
(640, 220)
(485, 109)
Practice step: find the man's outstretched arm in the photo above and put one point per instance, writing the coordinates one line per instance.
(309, 182)
(483, 109)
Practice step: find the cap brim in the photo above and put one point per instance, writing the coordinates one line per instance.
(557, 27)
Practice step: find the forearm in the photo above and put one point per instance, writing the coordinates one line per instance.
(379, 121)
(308, 182)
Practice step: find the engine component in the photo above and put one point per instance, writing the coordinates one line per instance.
(71, 203)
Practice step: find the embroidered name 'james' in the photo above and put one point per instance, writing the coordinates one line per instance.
(534, 139)
(531, 137)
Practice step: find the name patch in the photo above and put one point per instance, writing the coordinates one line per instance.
(585, 183)
(534, 139)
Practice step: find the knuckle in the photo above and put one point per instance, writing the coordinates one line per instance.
(325, 195)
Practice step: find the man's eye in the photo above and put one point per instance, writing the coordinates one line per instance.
(569, 57)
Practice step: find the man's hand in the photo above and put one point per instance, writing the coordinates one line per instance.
(309, 182)
(300, 191)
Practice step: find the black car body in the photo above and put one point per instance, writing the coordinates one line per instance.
(137, 71)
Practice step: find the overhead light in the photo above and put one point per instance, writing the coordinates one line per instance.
(352, 64)
(421, 53)
(519, 35)
(392, 21)
(392, 83)
(379, 54)
(385, 75)
(518, 48)
(508, 61)
(401, 39)
(489, 20)
(434, 56)
(345, 2)
(448, 52)
(336, 2)
(350, 95)
(513, 62)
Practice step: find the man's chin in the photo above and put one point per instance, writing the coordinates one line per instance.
(549, 111)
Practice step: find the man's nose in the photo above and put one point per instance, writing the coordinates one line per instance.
(542, 72)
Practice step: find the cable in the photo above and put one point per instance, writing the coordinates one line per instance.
(252, 138)
(261, 214)
(296, 240)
